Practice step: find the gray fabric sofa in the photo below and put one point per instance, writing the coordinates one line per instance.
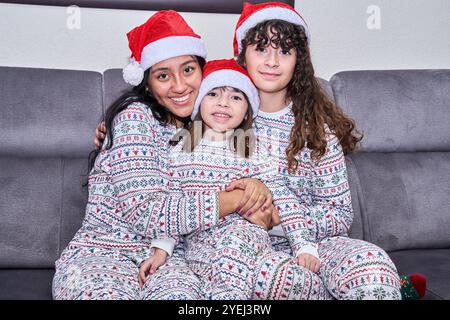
(400, 180)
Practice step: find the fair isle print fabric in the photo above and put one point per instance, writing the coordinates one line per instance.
(131, 201)
(129, 204)
(350, 268)
(280, 278)
(225, 255)
(224, 258)
(94, 273)
(321, 186)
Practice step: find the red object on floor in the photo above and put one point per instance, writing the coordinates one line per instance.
(419, 282)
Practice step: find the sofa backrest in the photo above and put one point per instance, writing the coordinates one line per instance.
(398, 110)
(48, 112)
(46, 132)
(400, 179)
(113, 86)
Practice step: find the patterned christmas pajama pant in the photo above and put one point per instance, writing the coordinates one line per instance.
(350, 269)
(228, 257)
(92, 273)
(224, 257)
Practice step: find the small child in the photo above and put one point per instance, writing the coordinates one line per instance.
(220, 147)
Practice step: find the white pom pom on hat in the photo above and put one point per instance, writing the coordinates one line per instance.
(133, 73)
(163, 36)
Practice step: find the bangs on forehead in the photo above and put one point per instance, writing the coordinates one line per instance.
(274, 33)
(227, 88)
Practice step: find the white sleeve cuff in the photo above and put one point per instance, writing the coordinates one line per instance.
(166, 244)
(310, 249)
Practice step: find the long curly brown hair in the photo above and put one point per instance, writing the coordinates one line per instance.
(311, 106)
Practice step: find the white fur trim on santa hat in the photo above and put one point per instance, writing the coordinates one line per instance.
(133, 73)
(171, 47)
(228, 78)
(270, 14)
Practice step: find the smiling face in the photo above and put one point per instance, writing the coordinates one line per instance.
(271, 68)
(223, 109)
(175, 83)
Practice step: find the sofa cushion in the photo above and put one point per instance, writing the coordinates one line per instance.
(404, 199)
(26, 284)
(397, 110)
(114, 86)
(73, 203)
(47, 112)
(42, 203)
(433, 264)
(326, 86)
(356, 229)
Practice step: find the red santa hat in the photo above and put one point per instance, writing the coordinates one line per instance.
(226, 73)
(252, 14)
(165, 35)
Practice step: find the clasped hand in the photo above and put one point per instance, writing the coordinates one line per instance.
(256, 204)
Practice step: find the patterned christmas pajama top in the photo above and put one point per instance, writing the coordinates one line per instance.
(350, 268)
(129, 204)
(224, 256)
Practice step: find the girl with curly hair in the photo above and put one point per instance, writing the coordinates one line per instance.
(308, 135)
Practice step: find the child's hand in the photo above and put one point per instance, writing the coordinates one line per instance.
(308, 261)
(266, 219)
(256, 195)
(261, 218)
(152, 264)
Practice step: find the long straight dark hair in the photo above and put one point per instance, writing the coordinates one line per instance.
(141, 94)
